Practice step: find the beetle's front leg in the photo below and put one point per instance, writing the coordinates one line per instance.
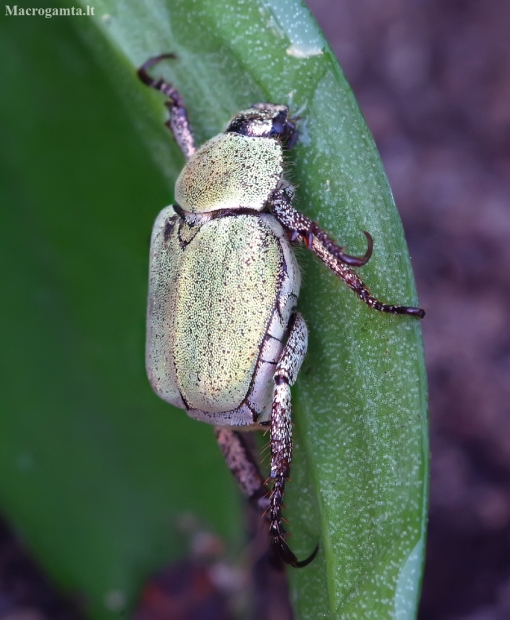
(281, 434)
(332, 255)
(178, 122)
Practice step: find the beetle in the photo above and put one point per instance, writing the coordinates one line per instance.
(224, 341)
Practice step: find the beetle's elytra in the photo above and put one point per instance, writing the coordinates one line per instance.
(224, 341)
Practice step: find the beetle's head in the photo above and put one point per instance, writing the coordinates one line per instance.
(265, 120)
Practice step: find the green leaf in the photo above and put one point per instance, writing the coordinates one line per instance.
(93, 469)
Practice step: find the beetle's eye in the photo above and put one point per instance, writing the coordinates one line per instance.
(286, 131)
(278, 128)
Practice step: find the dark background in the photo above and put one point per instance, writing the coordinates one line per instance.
(433, 81)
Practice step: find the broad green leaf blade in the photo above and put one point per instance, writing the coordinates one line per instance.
(360, 470)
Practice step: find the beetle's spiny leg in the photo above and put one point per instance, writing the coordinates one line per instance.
(159, 84)
(178, 122)
(243, 466)
(308, 230)
(329, 253)
(281, 435)
(354, 282)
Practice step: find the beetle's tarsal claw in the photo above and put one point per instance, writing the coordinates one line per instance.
(337, 251)
(309, 559)
(143, 70)
(359, 261)
(289, 557)
(419, 312)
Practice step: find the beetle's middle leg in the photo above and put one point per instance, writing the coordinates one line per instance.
(178, 122)
(331, 254)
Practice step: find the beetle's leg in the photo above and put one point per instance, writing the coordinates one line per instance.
(330, 254)
(178, 122)
(304, 227)
(353, 281)
(243, 466)
(281, 434)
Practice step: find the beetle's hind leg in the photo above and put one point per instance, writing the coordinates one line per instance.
(243, 466)
(332, 255)
(240, 459)
(281, 434)
(178, 122)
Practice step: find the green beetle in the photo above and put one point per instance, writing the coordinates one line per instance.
(224, 342)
